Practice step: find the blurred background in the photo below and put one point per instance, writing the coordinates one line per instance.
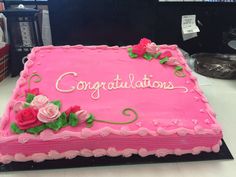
(117, 22)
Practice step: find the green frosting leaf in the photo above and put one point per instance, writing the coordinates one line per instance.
(36, 130)
(73, 120)
(26, 105)
(59, 123)
(53, 126)
(29, 97)
(90, 120)
(16, 129)
(178, 68)
(157, 55)
(131, 54)
(57, 103)
(62, 120)
(164, 60)
(147, 56)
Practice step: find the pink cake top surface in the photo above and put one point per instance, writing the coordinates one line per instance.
(87, 76)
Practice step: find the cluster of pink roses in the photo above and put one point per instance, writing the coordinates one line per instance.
(40, 110)
(149, 50)
(171, 60)
(145, 45)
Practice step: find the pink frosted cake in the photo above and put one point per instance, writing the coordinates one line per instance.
(106, 101)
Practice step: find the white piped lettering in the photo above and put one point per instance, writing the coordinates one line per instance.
(117, 83)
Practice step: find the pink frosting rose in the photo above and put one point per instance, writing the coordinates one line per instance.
(48, 113)
(144, 42)
(172, 61)
(18, 106)
(165, 54)
(152, 48)
(72, 109)
(27, 118)
(82, 115)
(34, 91)
(39, 101)
(139, 49)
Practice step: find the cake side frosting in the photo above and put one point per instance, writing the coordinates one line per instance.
(112, 152)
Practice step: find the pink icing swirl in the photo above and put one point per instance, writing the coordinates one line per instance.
(71, 154)
(112, 152)
(55, 155)
(39, 157)
(163, 152)
(99, 152)
(143, 152)
(129, 152)
(6, 159)
(86, 153)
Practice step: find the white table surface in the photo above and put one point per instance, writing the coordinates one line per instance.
(222, 97)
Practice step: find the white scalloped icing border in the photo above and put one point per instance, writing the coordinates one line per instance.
(215, 128)
(112, 152)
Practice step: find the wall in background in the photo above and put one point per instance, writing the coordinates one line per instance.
(115, 22)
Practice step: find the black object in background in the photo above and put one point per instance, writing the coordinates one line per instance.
(24, 34)
(92, 22)
(220, 66)
(9, 3)
(213, 20)
(124, 22)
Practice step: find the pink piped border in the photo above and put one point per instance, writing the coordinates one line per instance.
(47, 135)
(197, 89)
(112, 152)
